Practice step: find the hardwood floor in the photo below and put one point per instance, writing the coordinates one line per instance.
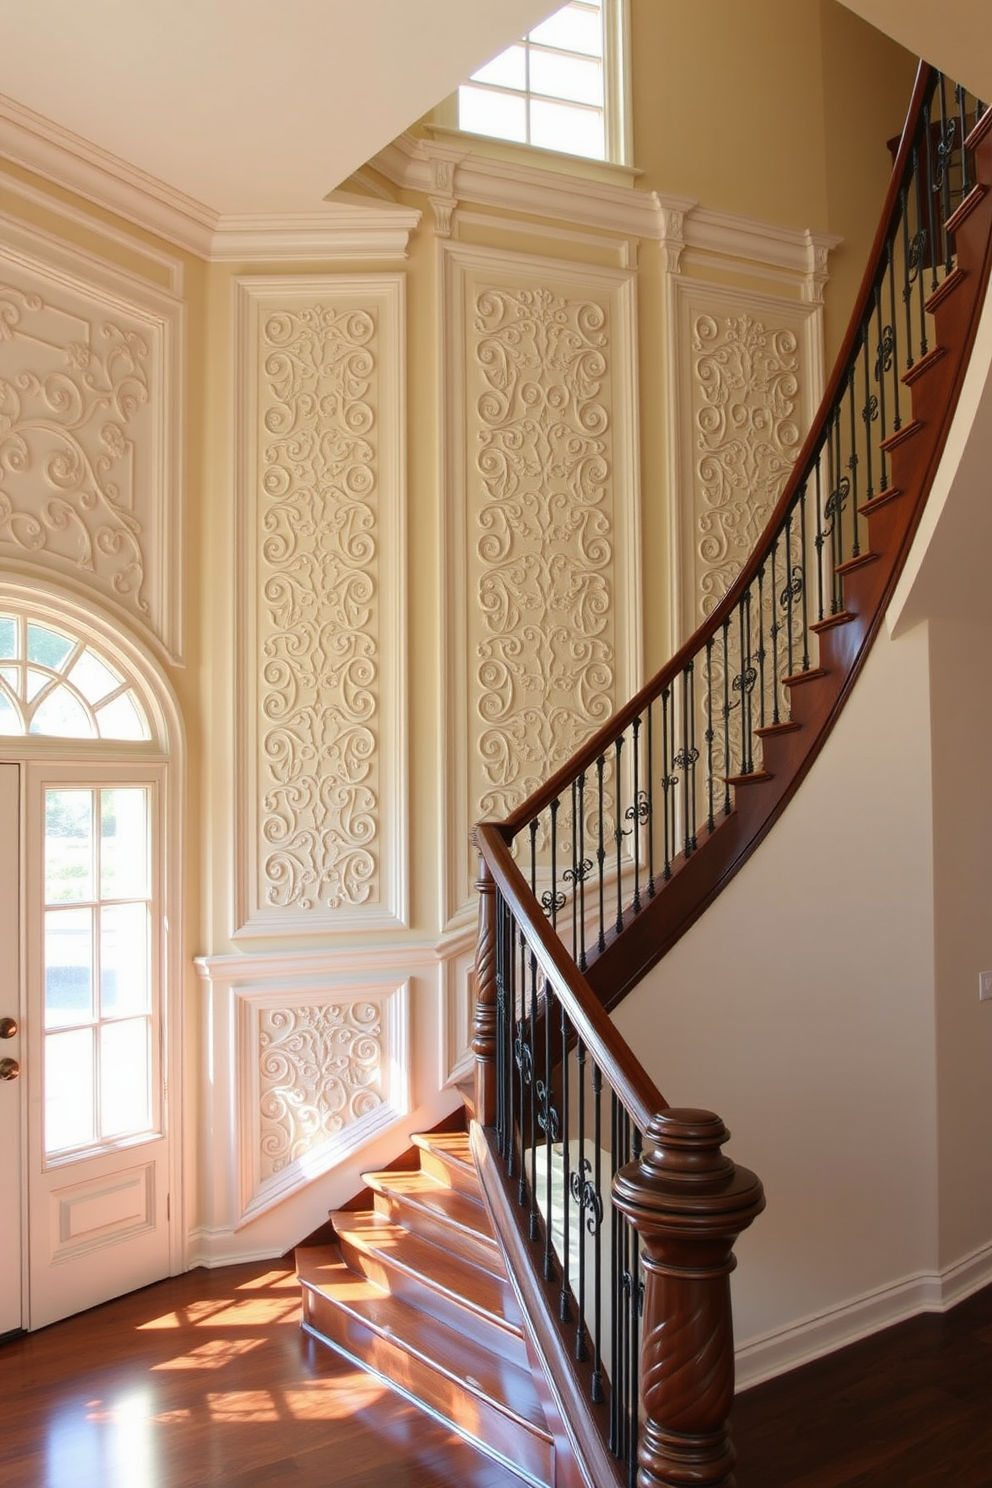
(908, 1408)
(208, 1379)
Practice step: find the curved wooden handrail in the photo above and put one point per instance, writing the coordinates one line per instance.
(585, 757)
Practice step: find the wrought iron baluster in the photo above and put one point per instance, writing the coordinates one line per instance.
(549, 1123)
(727, 805)
(932, 190)
(775, 626)
(601, 848)
(649, 789)
(595, 1229)
(894, 327)
(667, 781)
(504, 1039)
(799, 574)
(692, 754)
(618, 827)
(962, 116)
(565, 1291)
(869, 415)
(818, 541)
(554, 899)
(710, 819)
(633, 812)
(945, 155)
(531, 1139)
(761, 646)
(574, 1194)
(852, 465)
(920, 241)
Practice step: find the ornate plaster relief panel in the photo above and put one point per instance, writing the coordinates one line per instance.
(320, 440)
(747, 376)
(541, 524)
(90, 400)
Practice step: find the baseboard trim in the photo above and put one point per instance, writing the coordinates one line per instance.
(775, 1353)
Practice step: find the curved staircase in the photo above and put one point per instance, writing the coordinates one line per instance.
(592, 880)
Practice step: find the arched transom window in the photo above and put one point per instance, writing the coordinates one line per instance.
(58, 684)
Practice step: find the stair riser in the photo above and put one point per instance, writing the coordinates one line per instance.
(499, 1335)
(454, 1174)
(473, 1417)
(404, 1210)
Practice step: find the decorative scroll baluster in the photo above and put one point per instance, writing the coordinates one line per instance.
(727, 803)
(650, 801)
(575, 1191)
(565, 1292)
(799, 575)
(668, 782)
(549, 1123)
(852, 465)
(634, 813)
(594, 1227)
(819, 540)
(710, 819)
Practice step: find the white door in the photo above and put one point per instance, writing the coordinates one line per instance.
(93, 1048)
(11, 1089)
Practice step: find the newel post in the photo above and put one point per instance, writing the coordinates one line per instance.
(688, 1203)
(484, 1040)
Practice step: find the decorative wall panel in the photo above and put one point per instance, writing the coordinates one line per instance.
(321, 1073)
(541, 522)
(89, 421)
(748, 381)
(320, 401)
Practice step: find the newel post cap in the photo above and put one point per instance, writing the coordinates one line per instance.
(683, 1180)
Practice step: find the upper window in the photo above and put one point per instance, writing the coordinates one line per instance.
(559, 87)
(55, 683)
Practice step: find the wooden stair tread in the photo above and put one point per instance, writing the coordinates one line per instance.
(444, 1213)
(448, 1156)
(457, 1357)
(482, 1292)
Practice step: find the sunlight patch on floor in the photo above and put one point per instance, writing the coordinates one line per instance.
(212, 1355)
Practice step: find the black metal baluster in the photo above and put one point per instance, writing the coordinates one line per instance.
(565, 1294)
(595, 1229)
(893, 367)
(945, 155)
(869, 414)
(931, 194)
(819, 539)
(775, 626)
(617, 1391)
(761, 646)
(633, 812)
(649, 800)
(666, 781)
(852, 463)
(907, 271)
(726, 717)
(504, 1063)
(554, 900)
(692, 754)
(618, 828)
(921, 240)
(601, 849)
(531, 1139)
(575, 1195)
(549, 1126)
(799, 576)
(710, 819)
(579, 831)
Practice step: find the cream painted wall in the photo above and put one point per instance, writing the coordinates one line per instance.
(801, 1008)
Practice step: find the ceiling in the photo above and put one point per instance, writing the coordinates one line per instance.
(261, 107)
(247, 106)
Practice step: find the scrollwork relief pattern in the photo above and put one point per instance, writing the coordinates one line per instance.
(320, 1070)
(74, 399)
(746, 435)
(544, 535)
(319, 608)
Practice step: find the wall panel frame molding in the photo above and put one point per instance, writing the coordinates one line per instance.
(321, 696)
(91, 369)
(540, 548)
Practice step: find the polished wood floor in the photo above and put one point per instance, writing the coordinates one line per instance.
(208, 1379)
(908, 1408)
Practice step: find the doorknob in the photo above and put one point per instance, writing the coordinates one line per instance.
(8, 1027)
(9, 1069)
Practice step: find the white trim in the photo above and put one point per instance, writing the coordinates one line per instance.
(821, 1333)
(334, 230)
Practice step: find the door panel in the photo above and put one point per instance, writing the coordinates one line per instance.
(97, 1129)
(11, 1090)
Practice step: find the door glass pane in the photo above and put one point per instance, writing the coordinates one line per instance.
(124, 986)
(68, 845)
(125, 1078)
(124, 843)
(69, 1089)
(68, 967)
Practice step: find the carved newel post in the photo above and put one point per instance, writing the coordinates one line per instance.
(484, 1040)
(688, 1204)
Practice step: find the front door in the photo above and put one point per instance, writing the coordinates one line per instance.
(11, 1211)
(97, 1159)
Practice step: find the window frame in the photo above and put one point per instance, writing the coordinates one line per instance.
(616, 94)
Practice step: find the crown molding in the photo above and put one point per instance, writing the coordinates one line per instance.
(338, 229)
(454, 173)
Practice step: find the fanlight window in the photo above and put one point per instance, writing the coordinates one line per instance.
(56, 684)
